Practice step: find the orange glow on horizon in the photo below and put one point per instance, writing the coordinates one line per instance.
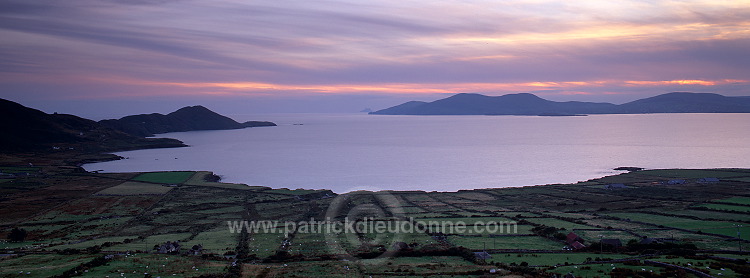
(220, 89)
(570, 87)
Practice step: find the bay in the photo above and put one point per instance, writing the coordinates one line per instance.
(346, 152)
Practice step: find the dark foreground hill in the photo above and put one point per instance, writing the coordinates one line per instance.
(27, 129)
(185, 119)
(529, 104)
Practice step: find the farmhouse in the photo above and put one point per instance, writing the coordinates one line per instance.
(572, 237)
(169, 248)
(196, 250)
(614, 242)
(577, 245)
(482, 255)
(574, 241)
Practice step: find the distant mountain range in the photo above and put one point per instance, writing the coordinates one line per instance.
(529, 104)
(185, 119)
(27, 129)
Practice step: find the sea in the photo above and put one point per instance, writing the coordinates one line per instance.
(349, 152)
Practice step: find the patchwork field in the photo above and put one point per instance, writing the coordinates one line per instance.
(126, 225)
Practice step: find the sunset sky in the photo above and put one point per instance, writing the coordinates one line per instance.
(110, 58)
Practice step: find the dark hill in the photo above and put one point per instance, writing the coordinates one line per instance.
(27, 129)
(687, 103)
(529, 104)
(512, 104)
(185, 119)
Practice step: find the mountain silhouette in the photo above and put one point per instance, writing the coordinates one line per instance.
(28, 129)
(529, 104)
(185, 119)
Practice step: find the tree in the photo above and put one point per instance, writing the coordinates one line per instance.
(17, 235)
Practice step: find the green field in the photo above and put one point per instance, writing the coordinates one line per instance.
(165, 177)
(557, 223)
(725, 207)
(543, 259)
(148, 243)
(694, 174)
(40, 265)
(604, 270)
(135, 188)
(140, 265)
(717, 227)
(127, 217)
(93, 242)
(216, 241)
(506, 242)
(736, 200)
(264, 245)
(703, 214)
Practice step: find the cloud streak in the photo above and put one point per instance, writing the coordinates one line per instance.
(225, 47)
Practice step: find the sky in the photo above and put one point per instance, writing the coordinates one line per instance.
(110, 58)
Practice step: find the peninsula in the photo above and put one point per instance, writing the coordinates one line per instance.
(529, 104)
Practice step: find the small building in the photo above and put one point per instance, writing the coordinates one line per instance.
(675, 181)
(614, 242)
(196, 250)
(573, 237)
(577, 245)
(482, 255)
(169, 248)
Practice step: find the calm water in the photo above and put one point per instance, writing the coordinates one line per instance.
(448, 153)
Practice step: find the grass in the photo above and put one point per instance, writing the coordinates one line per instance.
(428, 266)
(602, 270)
(313, 269)
(199, 179)
(61, 216)
(165, 177)
(6, 169)
(264, 245)
(509, 242)
(217, 241)
(40, 265)
(551, 259)
(704, 214)
(698, 264)
(136, 265)
(725, 207)
(93, 242)
(504, 229)
(716, 227)
(736, 200)
(593, 236)
(197, 213)
(135, 188)
(695, 174)
(557, 223)
(465, 220)
(313, 244)
(295, 192)
(148, 243)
